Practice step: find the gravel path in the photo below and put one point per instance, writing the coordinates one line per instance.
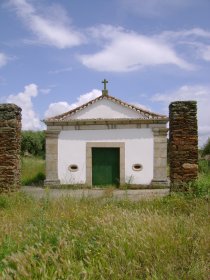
(133, 195)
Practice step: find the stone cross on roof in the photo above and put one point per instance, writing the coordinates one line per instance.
(105, 82)
(104, 91)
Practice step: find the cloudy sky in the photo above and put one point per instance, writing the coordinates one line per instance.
(55, 53)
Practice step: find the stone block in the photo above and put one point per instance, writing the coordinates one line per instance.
(190, 166)
(160, 173)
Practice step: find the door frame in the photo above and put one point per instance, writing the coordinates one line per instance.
(90, 145)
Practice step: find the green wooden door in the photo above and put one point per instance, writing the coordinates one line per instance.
(105, 166)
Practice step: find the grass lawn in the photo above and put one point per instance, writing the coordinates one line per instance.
(91, 239)
(165, 238)
(32, 170)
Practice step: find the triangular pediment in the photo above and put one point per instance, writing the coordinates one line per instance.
(105, 107)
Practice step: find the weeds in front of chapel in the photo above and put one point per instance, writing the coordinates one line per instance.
(165, 238)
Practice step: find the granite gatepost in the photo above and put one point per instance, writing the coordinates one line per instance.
(183, 144)
(10, 146)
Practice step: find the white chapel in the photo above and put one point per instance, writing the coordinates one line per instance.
(107, 142)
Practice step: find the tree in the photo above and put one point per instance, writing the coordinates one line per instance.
(33, 142)
(206, 148)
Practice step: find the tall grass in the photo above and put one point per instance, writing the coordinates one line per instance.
(32, 170)
(204, 166)
(166, 238)
(201, 187)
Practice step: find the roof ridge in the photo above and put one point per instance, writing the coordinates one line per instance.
(146, 113)
(131, 106)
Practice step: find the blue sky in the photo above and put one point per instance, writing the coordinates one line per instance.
(55, 53)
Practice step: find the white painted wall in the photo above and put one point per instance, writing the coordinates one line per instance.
(105, 109)
(138, 149)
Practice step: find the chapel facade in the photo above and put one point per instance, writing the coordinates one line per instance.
(107, 141)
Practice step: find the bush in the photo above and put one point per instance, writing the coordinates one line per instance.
(201, 187)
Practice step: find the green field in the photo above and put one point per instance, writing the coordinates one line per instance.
(92, 239)
(166, 238)
(32, 170)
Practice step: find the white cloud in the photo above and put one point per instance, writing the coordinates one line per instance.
(3, 59)
(199, 93)
(190, 34)
(45, 91)
(194, 41)
(58, 108)
(142, 106)
(205, 52)
(30, 120)
(62, 70)
(155, 8)
(125, 51)
(51, 26)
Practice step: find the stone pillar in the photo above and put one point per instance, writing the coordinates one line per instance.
(10, 144)
(183, 143)
(52, 158)
(160, 157)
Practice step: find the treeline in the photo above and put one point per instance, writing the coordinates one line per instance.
(33, 143)
(206, 148)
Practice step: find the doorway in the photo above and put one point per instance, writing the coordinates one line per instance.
(105, 166)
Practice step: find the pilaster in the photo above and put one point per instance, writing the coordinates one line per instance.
(160, 156)
(52, 157)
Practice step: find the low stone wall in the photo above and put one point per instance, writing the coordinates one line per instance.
(10, 142)
(183, 143)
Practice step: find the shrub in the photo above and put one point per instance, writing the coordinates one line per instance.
(200, 187)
